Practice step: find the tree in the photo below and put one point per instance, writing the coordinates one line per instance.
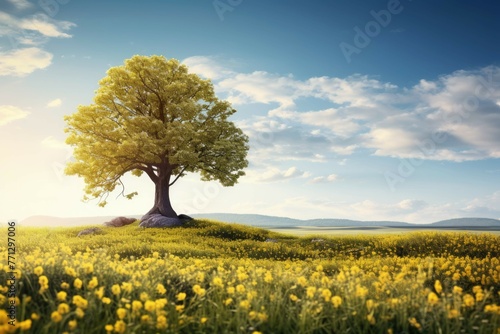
(152, 116)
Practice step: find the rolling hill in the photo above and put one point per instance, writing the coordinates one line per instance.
(273, 221)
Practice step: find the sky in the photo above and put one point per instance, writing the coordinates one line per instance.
(365, 110)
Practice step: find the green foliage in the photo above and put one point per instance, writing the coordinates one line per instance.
(152, 116)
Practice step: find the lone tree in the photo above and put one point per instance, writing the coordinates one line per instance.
(152, 116)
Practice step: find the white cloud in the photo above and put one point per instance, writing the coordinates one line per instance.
(22, 62)
(325, 179)
(44, 25)
(11, 113)
(273, 174)
(27, 36)
(261, 87)
(51, 142)
(206, 67)
(21, 4)
(40, 24)
(54, 103)
(454, 117)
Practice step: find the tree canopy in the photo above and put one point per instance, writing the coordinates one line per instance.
(152, 116)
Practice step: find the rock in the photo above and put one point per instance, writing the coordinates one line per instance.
(93, 230)
(184, 217)
(158, 220)
(271, 240)
(119, 222)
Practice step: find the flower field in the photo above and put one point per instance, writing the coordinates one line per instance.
(210, 277)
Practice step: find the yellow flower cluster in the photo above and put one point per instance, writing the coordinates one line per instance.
(192, 280)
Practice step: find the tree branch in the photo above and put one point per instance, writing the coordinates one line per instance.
(178, 176)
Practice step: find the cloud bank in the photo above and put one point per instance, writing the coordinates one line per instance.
(454, 117)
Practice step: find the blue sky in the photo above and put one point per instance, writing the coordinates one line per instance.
(371, 110)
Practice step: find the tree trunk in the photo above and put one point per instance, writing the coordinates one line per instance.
(162, 197)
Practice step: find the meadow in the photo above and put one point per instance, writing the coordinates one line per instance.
(211, 277)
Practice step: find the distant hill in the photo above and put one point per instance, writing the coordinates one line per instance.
(486, 222)
(273, 221)
(48, 221)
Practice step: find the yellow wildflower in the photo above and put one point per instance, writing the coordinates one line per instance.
(453, 313)
(327, 294)
(80, 313)
(150, 306)
(361, 291)
(72, 325)
(115, 289)
(38, 270)
(93, 283)
(438, 287)
(268, 277)
(25, 325)
(302, 281)
(120, 326)
(240, 288)
(77, 283)
(492, 308)
(161, 289)
(80, 302)
(217, 281)
(161, 322)
(181, 296)
(245, 304)
(413, 322)
(99, 292)
(56, 316)
(61, 296)
(199, 290)
(63, 308)
(310, 292)
(468, 300)
(121, 313)
(432, 298)
(336, 301)
(136, 305)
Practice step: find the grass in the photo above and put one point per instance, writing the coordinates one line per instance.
(211, 277)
